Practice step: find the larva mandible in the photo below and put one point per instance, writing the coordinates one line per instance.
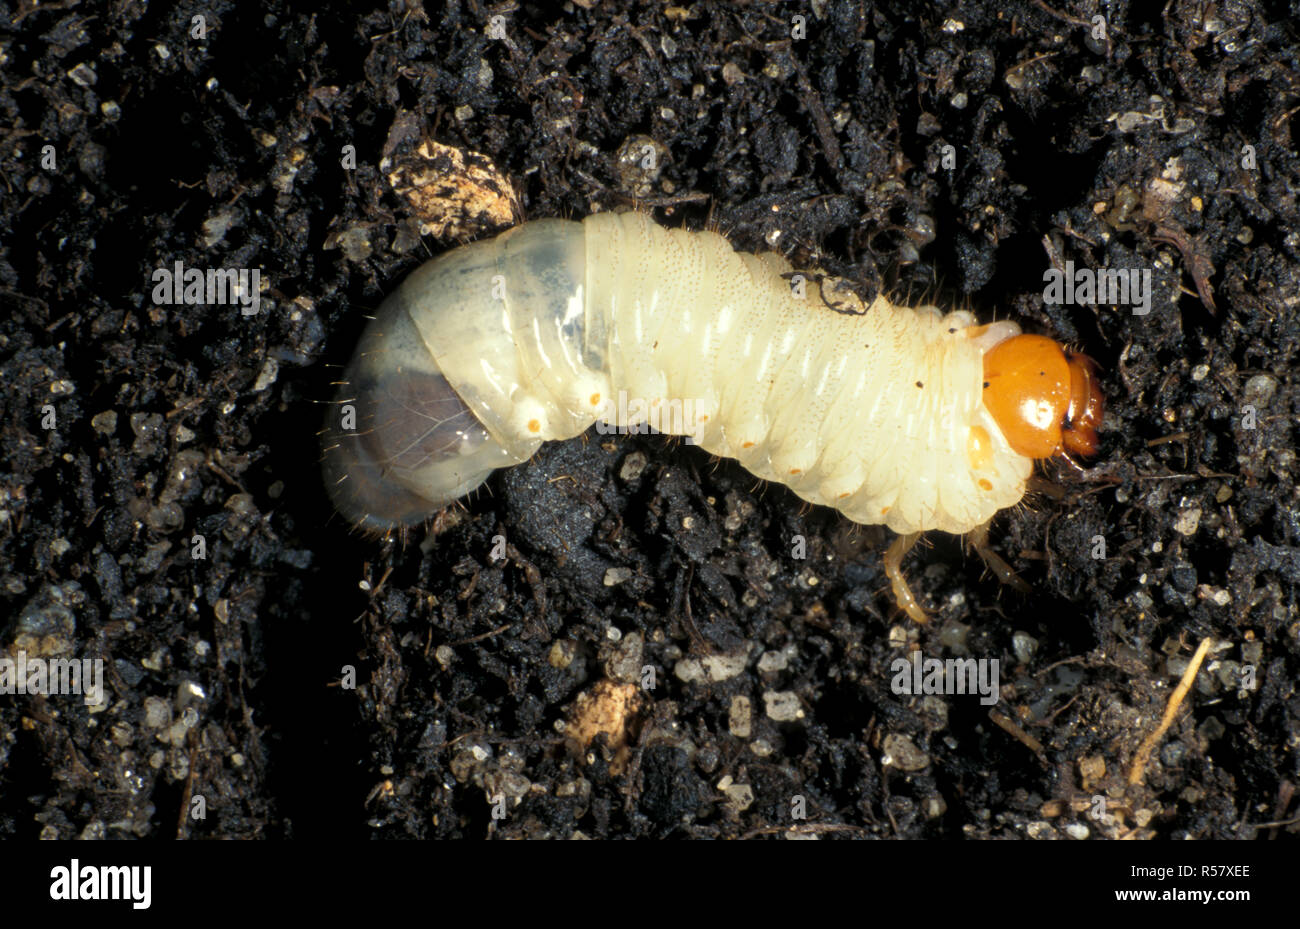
(906, 417)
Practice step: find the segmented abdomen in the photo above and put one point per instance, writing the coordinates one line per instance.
(539, 330)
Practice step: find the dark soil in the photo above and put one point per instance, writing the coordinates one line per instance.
(1167, 145)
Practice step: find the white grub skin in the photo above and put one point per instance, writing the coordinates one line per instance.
(537, 331)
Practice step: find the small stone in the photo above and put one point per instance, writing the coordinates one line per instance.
(633, 465)
(707, 758)
(216, 226)
(355, 243)
(562, 653)
(579, 787)
(121, 733)
(1040, 830)
(83, 75)
(625, 659)
(509, 784)
(689, 670)
(1188, 521)
(725, 667)
(1025, 646)
(176, 732)
(46, 626)
(901, 752)
(1173, 753)
(739, 797)
(773, 661)
(157, 712)
(266, 377)
(616, 576)
(149, 430)
(1077, 831)
(1259, 390)
(189, 693)
(933, 711)
(1091, 770)
(153, 557)
(783, 706)
(463, 764)
(740, 717)
(104, 423)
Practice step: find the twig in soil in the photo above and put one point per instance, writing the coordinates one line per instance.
(1175, 437)
(1171, 710)
(1006, 723)
(1285, 116)
(480, 637)
(182, 821)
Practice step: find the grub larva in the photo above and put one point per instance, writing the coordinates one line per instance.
(901, 416)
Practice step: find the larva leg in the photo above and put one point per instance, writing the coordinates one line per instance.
(979, 540)
(898, 581)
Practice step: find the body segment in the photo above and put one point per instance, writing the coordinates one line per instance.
(533, 335)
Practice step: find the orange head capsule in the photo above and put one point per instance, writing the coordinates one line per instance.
(1046, 400)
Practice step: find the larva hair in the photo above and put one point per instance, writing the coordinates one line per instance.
(906, 417)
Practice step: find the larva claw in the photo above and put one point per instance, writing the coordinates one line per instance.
(979, 540)
(903, 596)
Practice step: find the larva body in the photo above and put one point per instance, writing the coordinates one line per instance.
(491, 349)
